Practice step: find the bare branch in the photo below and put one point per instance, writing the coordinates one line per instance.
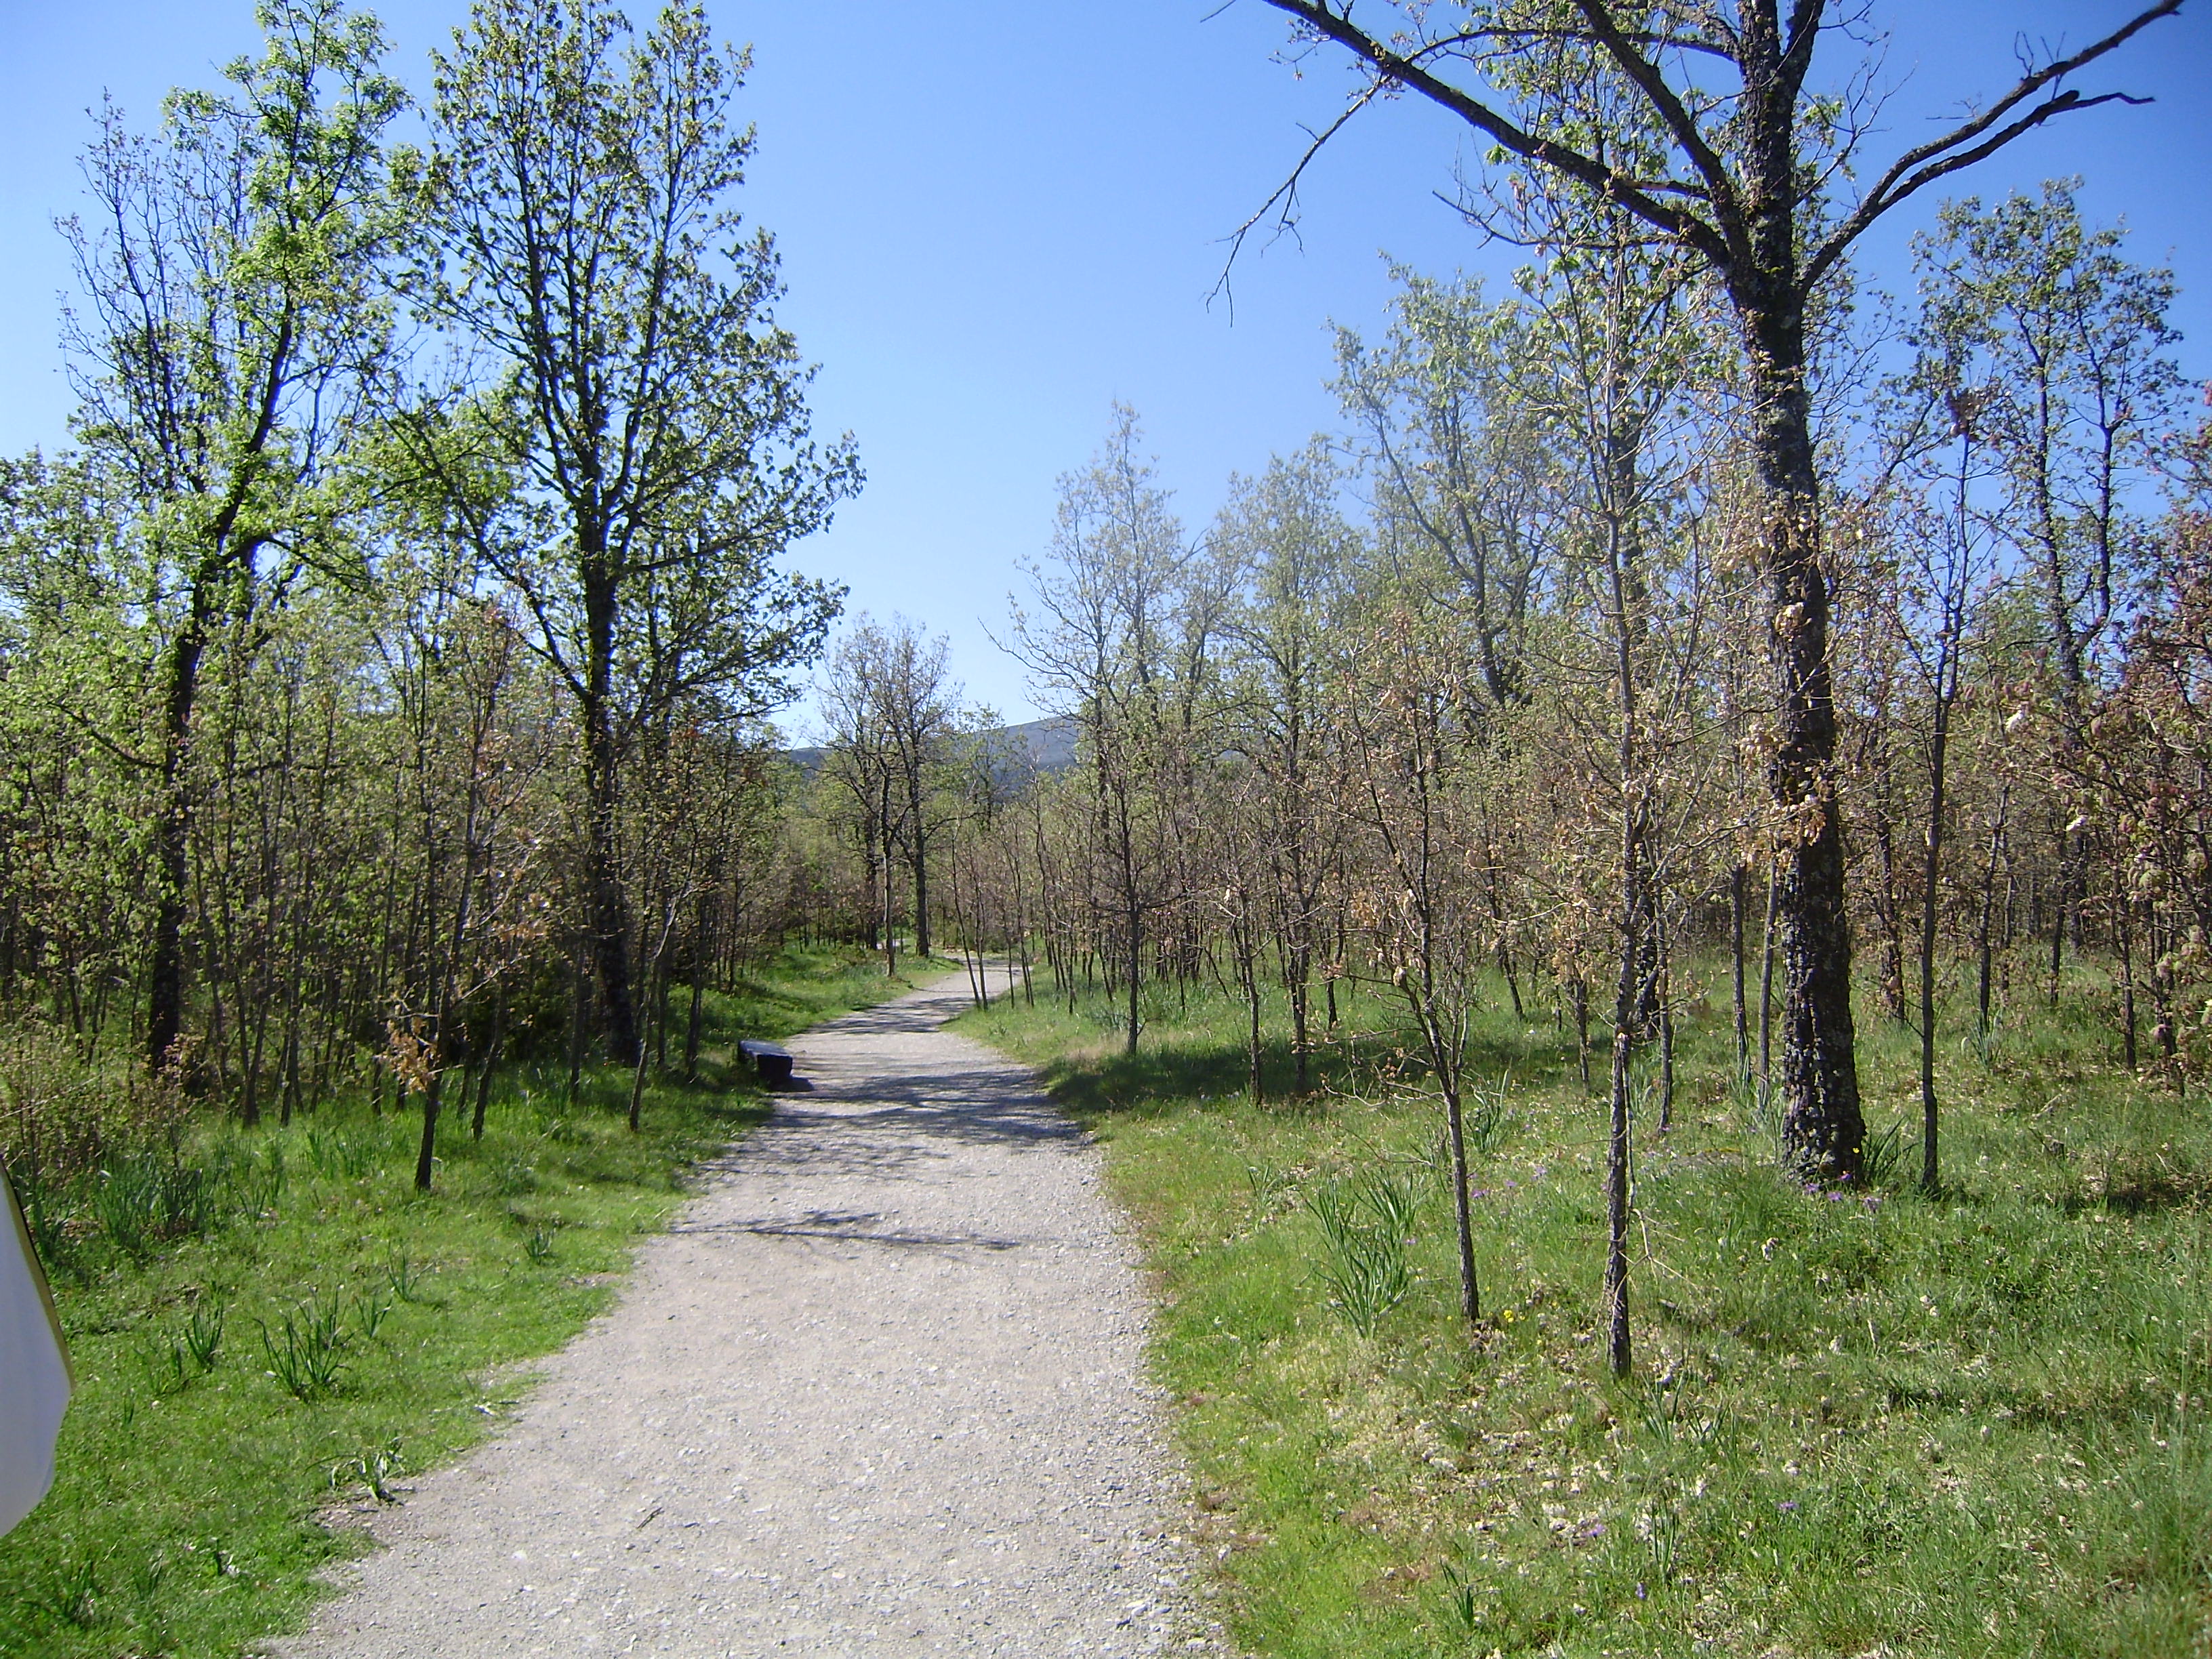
(1285, 195)
(1586, 170)
(1925, 163)
(1719, 186)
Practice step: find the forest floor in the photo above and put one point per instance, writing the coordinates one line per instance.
(879, 1390)
(1876, 1423)
(275, 1333)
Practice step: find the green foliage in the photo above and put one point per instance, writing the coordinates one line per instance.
(1873, 1423)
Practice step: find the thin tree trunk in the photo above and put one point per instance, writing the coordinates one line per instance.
(1766, 992)
(1986, 943)
(1666, 1023)
(1735, 942)
(1938, 758)
(488, 1065)
(2124, 924)
(1470, 1295)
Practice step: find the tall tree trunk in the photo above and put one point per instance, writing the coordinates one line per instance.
(172, 826)
(1822, 1126)
(609, 901)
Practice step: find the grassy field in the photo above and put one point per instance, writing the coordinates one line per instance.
(273, 1332)
(1874, 1425)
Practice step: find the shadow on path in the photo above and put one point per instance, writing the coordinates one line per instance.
(860, 1226)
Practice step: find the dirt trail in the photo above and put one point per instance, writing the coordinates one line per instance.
(879, 1391)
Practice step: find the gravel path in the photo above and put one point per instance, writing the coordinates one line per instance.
(879, 1391)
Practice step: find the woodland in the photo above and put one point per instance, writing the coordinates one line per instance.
(1699, 725)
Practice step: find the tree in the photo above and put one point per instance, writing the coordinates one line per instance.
(1292, 552)
(893, 713)
(1751, 149)
(2069, 347)
(1620, 341)
(234, 325)
(1411, 777)
(1119, 639)
(582, 179)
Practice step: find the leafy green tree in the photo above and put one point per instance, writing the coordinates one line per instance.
(582, 179)
(234, 323)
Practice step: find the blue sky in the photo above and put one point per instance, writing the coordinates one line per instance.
(998, 216)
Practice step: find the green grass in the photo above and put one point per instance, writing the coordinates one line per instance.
(1879, 1425)
(274, 1333)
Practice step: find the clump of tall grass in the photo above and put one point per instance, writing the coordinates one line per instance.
(1366, 1225)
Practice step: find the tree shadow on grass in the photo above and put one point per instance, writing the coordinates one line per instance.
(1172, 1074)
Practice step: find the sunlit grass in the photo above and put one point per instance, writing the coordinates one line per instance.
(312, 1333)
(1875, 1424)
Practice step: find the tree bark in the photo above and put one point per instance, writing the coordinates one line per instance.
(173, 826)
(608, 901)
(1823, 1129)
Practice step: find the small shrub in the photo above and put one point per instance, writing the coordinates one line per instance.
(372, 1467)
(1881, 1157)
(163, 1359)
(337, 1157)
(369, 1313)
(128, 1201)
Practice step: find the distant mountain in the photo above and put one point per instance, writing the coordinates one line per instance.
(1048, 745)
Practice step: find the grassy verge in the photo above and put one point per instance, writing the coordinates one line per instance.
(1874, 1425)
(273, 1331)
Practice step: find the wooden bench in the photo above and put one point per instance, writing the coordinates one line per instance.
(772, 1061)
